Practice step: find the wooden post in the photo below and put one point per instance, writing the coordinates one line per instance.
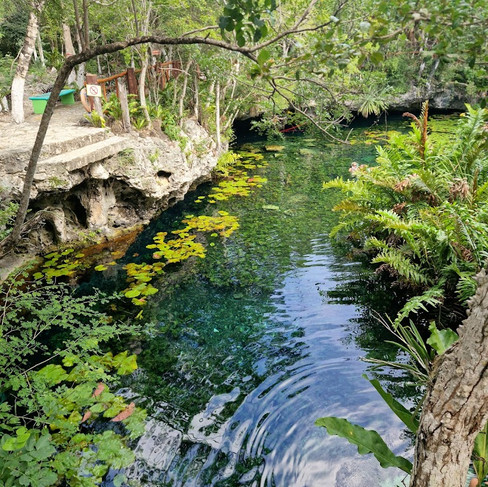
(132, 81)
(124, 103)
(95, 101)
(91, 79)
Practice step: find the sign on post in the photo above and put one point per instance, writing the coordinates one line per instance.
(94, 90)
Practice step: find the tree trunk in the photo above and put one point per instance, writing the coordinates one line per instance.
(81, 70)
(14, 237)
(25, 55)
(217, 115)
(41, 50)
(69, 49)
(142, 86)
(68, 42)
(196, 107)
(183, 92)
(455, 408)
(124, 104)
(86, 26)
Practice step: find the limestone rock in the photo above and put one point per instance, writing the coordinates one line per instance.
(103, 182)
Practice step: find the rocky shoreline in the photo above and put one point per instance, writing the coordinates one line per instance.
(106, 183)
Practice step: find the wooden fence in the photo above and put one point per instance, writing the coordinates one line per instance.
(162, 71)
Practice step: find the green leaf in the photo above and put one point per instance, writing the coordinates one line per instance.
(12, 443)
(404, 414)
(480, 454)
(367, 441)
(125, 364)
(132, 293)
(52, 374)
(441, 340)
(241, 41)
(376, 57)
(263, 56)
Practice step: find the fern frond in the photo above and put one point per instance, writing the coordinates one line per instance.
(397, 260)
(466, 287)
(432, 297)
(375, 243)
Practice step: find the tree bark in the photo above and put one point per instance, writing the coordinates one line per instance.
(217, 115)
(41, 50)
(183, 91)
(25, 55)
(196, 106)
(86, 25)
(124, 104)
(142, 86)
(456, 407)
(69, 49)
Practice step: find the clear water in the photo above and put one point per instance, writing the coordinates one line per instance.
(254, 343)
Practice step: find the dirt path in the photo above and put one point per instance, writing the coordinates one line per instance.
(65, 124)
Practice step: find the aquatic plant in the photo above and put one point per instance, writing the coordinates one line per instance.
(185, 244)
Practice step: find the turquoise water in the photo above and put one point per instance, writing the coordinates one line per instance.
(251, 345)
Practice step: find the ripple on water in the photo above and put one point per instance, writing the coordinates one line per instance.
(270, 439)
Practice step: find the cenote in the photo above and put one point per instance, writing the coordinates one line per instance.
(247, 347)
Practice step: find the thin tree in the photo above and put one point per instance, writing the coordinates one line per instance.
(18, 83)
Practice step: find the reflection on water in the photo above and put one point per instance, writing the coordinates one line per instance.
(254, 344)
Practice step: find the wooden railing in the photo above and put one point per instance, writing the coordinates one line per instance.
(163, 71)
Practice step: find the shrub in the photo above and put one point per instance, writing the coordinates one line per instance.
(54, 387)
(422, 211)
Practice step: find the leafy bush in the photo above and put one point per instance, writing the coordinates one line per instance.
(7, 214)
(7, 70)
(54, 388)
(422, 211)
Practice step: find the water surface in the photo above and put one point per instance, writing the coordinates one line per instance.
(255, 342)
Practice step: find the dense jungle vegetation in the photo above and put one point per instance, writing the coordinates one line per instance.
(419, 213)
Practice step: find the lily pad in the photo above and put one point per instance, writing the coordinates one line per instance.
(274, 148)
(307, 152)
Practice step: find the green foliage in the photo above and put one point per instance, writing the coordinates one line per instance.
(441, 340)
(246, 19)
(6, 74)
(409, 419)
(12, 32)
(53, 383)
(7, 214)
(112, 108)
(225, 162)
(480, 455)
(422, 210)
(367, 441)
(95, 119)
(413, 345)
